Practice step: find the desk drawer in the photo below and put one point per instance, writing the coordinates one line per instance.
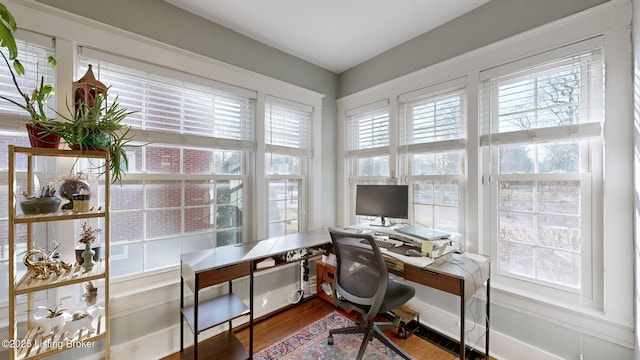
(439, 281)
(220, 275)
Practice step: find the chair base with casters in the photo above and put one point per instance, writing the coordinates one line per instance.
(370, 330)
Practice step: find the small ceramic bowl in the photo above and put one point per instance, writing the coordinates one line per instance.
(41, 205)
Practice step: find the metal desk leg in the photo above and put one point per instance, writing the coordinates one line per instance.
(195, 321)
(486, 345)
(463, 347)
(252, 264)
(181, 317)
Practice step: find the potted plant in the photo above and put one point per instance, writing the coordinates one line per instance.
(48, 319)
(45, 203)
(39, 125)
(99, 127)
(79, 320)
(87, 237)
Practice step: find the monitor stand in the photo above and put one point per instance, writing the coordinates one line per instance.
(383, 222)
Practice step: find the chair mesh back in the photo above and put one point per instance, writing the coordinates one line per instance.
(360, 267)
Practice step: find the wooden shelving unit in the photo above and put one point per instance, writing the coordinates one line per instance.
(35, 344)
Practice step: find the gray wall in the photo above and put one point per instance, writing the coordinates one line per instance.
(494, 21)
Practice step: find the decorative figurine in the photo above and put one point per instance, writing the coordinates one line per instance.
(42, 263)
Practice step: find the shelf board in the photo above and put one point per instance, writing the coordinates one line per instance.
(76, 274)
(58, 215)
(215, 311)
(224, 346)
(45, 345)
(56, 152)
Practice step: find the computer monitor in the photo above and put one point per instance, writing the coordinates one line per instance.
(384, 201)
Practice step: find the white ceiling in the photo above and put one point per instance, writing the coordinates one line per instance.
(333, 34)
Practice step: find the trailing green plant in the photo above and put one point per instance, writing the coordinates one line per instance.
(8, 27)
(98, 127)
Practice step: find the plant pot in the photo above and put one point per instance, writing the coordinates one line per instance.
(96, 257)
(39, 137)
(46, 324)
(81, 202)
(72, 326)
(41, 205)
(96, 141)
(88, 147)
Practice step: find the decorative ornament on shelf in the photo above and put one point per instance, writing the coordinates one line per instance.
(73, 184)
(87, 237)
(43, 263)
(90, 295)
(92, 125)
(44, 203)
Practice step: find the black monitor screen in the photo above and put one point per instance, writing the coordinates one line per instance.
(383, 200)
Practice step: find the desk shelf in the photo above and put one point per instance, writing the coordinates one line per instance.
(215, 312)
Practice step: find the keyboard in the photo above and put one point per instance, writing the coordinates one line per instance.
(384, 244)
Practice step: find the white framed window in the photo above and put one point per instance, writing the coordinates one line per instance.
(367, 150)
(543, 143)
(185, 190)
(432, 131)
(287, 160)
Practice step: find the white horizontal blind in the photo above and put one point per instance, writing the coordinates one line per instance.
(33, 52)
(549, 100)
(368, 130)
(287, 126)
(164, 104)
(435, 121)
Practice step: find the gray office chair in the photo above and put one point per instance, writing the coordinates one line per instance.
(362, 283)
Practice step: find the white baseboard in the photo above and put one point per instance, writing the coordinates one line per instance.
(153, 346)
(501, 346)
(167, 341)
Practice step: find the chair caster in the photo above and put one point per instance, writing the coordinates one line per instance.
(330, 340)
(402, 330)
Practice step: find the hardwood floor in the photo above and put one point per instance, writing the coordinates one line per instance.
(291, 320)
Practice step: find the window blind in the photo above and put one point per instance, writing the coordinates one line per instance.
(287, 126)
(434, 121)
(368, 129)
(555, 98)
(172, 105)
(33, 51)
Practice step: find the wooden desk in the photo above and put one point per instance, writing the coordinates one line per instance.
(206, 268)
(456, 274)
(460, 275)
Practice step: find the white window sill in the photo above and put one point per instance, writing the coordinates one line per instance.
(579, 318)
